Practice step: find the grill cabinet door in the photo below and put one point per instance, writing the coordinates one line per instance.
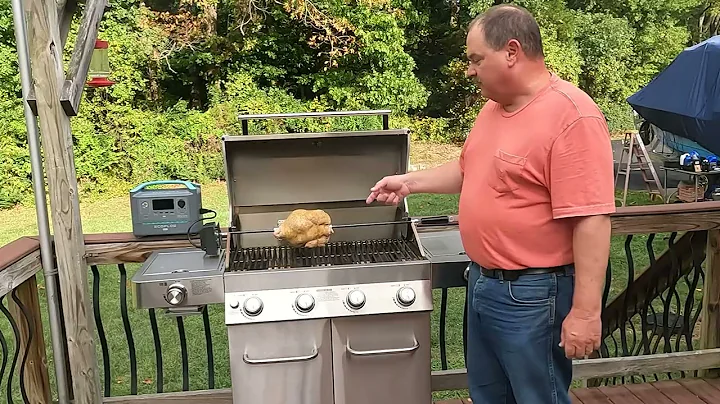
(382, 359)
(281, 363)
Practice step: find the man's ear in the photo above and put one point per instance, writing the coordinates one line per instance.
(513, 49)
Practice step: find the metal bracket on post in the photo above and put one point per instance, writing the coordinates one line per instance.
(31, 100)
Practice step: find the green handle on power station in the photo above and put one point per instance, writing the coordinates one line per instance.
(187, 184)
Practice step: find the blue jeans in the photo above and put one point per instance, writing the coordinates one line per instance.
(513, 330)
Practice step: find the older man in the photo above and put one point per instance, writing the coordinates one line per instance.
(535, 179)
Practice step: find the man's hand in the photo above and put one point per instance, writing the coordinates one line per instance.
(391, 190)
(580, 334)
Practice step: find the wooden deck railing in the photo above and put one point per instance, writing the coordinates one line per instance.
(661, 315)
(23, 365)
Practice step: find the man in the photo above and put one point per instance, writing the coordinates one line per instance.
(536, 186)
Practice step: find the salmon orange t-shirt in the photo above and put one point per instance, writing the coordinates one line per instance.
(527, 172)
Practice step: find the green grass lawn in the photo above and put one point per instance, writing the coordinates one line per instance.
(113, 215)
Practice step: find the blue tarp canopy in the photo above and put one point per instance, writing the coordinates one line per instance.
(684, 99)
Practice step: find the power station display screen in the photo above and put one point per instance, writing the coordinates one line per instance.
(163, 204)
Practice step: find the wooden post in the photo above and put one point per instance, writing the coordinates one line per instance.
(46, 58)
(37, 380)
(710, 322)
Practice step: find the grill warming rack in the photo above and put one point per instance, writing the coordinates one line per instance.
(425, 221)
(336, 226)
(339, 253)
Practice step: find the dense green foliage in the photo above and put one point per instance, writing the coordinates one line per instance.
(186, 68)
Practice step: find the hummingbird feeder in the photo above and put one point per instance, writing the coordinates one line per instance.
(100, 66)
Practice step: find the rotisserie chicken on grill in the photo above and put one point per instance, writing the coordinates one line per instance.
(308, 228)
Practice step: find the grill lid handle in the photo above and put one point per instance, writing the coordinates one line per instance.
(443, 220)
(244, 118)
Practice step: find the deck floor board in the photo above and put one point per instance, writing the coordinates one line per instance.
(683, 391)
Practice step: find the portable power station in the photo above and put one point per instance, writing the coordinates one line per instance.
(165, 211)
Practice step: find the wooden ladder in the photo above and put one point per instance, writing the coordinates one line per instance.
(634, 149)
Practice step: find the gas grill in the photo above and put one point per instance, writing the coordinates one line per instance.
(346, 323)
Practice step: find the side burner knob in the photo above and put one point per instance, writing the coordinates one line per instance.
(356, 299)
(305, 303)
(176, 294)
(253, 306)
(406, 296)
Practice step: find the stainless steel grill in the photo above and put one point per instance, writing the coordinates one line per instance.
(324, 325)
(341, 253)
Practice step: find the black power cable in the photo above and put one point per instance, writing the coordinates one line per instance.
(202, 212)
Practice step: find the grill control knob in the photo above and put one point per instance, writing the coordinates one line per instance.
(253, 306)
(175, 294)
(234, 304)
(305, 303)
(406, 296)
(356, 299)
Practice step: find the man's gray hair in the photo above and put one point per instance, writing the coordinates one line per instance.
(504, 22)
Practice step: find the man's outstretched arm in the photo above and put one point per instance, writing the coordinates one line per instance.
(446, 179)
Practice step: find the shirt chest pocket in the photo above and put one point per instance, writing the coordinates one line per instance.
(506, 174)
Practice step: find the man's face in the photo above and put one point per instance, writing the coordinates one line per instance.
(487, 67)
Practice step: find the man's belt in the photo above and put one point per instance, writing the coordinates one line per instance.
(511, 275)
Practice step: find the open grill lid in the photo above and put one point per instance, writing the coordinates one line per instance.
(268, 176)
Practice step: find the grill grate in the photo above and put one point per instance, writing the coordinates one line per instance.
(341, 253)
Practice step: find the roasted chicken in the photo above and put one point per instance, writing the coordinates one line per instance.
(305, 228)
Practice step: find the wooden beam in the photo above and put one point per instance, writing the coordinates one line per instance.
(37, 379)
(710, 320)
(17, 250)
(46, 58)
(219, 396)
(124, 247)
(66, 12)
(666, 222)
(646, 364)
(19, 272)
(82, 54)
(118, 253)
(456, 379)
(451, 379)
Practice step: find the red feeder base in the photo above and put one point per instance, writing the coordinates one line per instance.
(100, 82)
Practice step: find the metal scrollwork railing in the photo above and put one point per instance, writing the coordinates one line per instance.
(659, 307)
(156, 341)
(11, 369)
(14, 348)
